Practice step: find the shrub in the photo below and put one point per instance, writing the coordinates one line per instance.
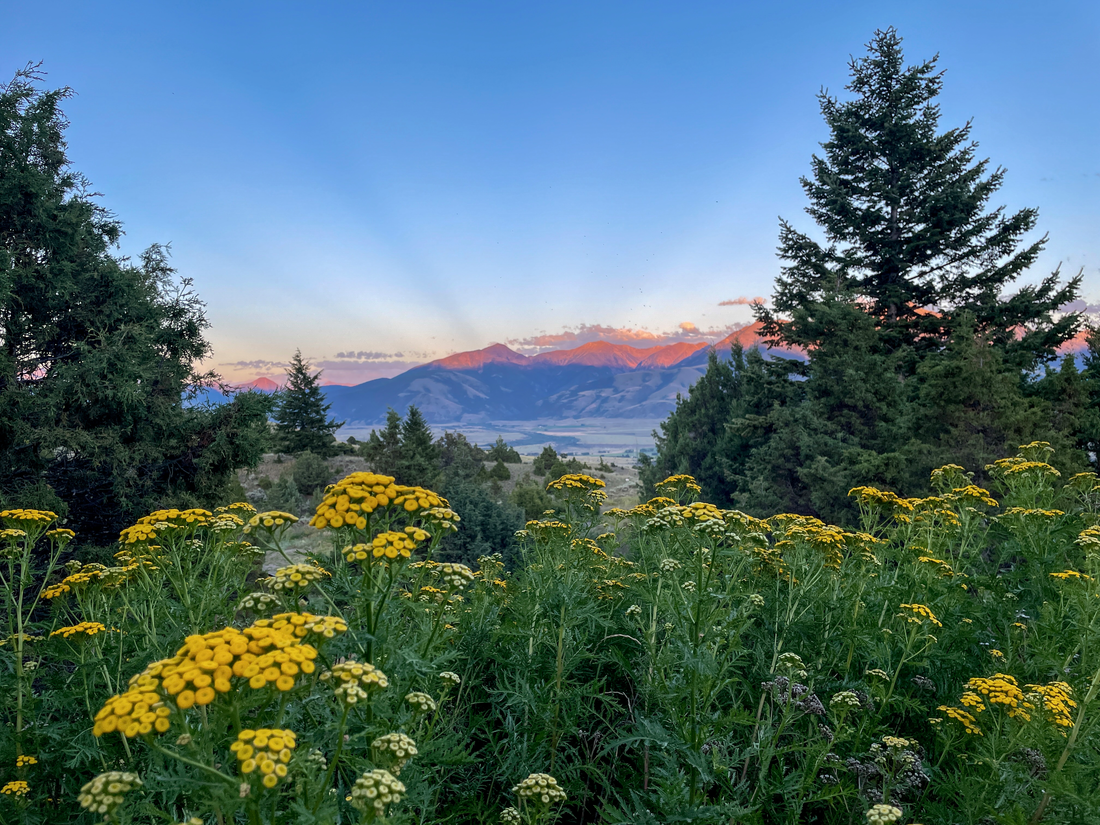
(310, 472)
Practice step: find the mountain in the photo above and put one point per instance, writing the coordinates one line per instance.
(599, 379)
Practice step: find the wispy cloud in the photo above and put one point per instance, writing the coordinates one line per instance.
(570, 338)
(256, 366)
(742, 302)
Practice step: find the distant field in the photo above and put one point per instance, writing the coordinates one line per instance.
(584, 436)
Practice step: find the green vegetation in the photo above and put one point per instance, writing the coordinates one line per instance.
(500, 451)
(673, 662)
(917, 353)
(97, 352)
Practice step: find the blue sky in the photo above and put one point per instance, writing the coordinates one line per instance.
(379, 184)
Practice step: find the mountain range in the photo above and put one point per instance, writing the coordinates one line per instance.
(595, 380)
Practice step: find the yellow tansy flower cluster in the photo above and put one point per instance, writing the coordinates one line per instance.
(17, 788)
(546, 530)
(203, 668)
(302, 624)
(1055, 699)
(272, 520)
(678, 485)
(21, 761)
(945, 570)
(21, 517)
(349, 501)
(969, 723)
(999, 689)
(919, 613)
(297, 577)
(1071, 575)
(390, 544)
(267, 750)
(88, 628)
(580, 489)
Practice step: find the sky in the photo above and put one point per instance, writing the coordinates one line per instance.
(380, 184)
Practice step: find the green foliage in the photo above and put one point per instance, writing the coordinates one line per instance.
(420, 456)
(500, 451)
(286, 495)
(310, 473)
(545, 460)
(532, 498)
(301, 414)
(488, 524)
(943, 658)
(459, 459)
(500, 472)
(98, 352)
(382, 450)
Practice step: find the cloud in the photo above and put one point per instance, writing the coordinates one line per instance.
(741, 302)
(257, 366)
(570, 338)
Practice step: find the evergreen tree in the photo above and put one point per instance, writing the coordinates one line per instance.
(419, 461)
(915, 355)
(98, 354)
(383, 450)
(545, 460)
(301, 414)
(500, 451)
(459, 459)
(904, 212)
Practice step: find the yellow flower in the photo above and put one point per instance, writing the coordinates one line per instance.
(18, 788)
(919, 613)
(268, 749)
(86, 628)
(20, 761)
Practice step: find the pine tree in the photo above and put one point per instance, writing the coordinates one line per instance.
(419, 462)
(301, 416)
(908, 235)
(383, 450)
(501, 451)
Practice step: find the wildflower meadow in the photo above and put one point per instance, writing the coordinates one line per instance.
(673, 662)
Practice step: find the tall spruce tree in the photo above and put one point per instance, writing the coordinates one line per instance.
(917, 350)
(908, 235)
(301, 416)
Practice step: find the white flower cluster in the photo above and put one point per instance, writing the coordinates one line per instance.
(669, 565)
(883, 815)
(421, 702)
(258, 602)
(105, 793)
(374, 790)
(395, 748)
(540, 787)
(455, 576)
